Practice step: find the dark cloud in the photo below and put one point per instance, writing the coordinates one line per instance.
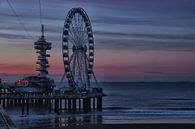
(168, 21)
(132, 3)
(162, 42)
(146, 36)
(13, 36)
(123, 41)
(18, 66)
(144, 45)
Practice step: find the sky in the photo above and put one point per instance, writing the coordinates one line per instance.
(135, 40)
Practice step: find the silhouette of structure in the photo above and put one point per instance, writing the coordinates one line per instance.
(78, 58)
(40, 83)
(78, 50)
(42, 46)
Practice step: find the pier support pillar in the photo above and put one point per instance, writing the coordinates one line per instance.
(74, 105)
(79, 105)
(86, 104)
(23, 102)
(60, 104)
(27, 106)
(69, 105)
(99, 103)
(49, 105)
(94, 104)
(4, 103)
(15, 101)
(65, 105)
(56, 105)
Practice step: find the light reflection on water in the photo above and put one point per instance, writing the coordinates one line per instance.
(40, 118)
(54, 121)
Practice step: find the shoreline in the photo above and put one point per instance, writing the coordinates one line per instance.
(151, 123)
(127, 126)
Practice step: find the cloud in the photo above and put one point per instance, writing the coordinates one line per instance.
(105, 40)
(161, 20)
(144, 45)
(152, 72)
(13, 36)
(146, 36)
(18, 66)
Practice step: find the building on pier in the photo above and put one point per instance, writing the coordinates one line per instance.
(40, 83)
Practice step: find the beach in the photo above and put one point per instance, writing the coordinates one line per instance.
(134, 126)
(130, 126)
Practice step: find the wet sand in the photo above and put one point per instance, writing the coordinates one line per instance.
(171, 123)
(132, 126)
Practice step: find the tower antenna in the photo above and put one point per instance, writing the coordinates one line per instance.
(42, 30)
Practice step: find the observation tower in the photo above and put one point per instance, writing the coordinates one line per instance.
(41, 45)
(40, 83)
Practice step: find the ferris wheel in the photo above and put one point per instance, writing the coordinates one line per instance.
(78, 49)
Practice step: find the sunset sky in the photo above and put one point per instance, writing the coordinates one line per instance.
(135, 40)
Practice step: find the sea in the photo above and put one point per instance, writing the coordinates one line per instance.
(124, 103)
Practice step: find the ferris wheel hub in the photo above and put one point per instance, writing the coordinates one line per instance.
(79, 48)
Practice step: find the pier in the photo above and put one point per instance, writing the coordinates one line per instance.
(56, 103)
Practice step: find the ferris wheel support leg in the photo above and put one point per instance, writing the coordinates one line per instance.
(63, 77)
(94, 77)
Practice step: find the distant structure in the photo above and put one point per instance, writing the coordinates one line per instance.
(78, 57)
(40, 83)
(78, 50)
(41, 45)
